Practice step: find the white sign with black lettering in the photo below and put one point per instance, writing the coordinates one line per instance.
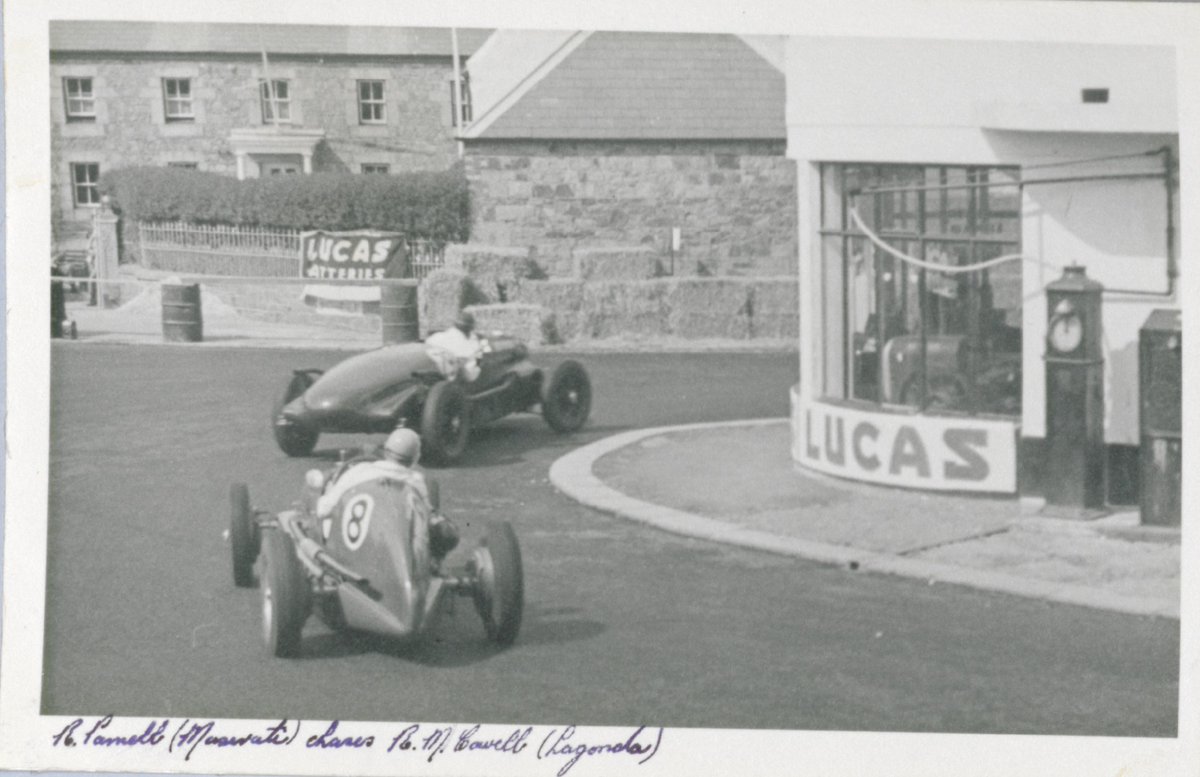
(911, 451)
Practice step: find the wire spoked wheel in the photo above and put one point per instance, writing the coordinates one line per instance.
(445, 423)
(567, 399)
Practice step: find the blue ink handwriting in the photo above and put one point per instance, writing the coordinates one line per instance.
(562, 746)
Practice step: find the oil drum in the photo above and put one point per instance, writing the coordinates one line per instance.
(182, 318)
(398, 309)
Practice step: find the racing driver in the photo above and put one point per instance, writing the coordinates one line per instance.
(401, 452)
(457, 350)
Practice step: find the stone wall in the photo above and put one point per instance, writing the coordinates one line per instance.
(734, 201)
(682, 308)
(129, 128)
(556, 310)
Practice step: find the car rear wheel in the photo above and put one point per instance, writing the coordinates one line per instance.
(245, 538)
(445, 423)
(293, 437)
(567, 400)
(500, 585)
(286, 596)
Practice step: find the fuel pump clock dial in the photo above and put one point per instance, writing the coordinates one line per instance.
(1066, 328)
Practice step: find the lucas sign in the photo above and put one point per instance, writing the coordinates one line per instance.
(910, 451)
(352, 256)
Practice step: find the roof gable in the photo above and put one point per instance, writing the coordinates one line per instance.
(648, 85)
(299, 39)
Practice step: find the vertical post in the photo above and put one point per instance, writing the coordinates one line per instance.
(271, 96)
(457, 89)
(104, 229)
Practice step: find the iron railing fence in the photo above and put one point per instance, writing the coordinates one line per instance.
(222, 249)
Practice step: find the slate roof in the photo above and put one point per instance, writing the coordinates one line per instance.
(300, 39)
(640, 86)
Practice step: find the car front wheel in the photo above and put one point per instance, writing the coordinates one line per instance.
(445, 423)
(567, 400)
(245, 539)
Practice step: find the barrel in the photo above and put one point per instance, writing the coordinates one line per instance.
(398, 309)
(58, 308)
(181, 315)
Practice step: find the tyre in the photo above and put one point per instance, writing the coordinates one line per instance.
(567, 399)
(445, 423)
(286, 596)
(294, 438)
(245, 538)
(500, 589)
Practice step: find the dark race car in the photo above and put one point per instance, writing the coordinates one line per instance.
(400, 385)
(368, 566)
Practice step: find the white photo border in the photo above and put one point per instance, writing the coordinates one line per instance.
(25, 734)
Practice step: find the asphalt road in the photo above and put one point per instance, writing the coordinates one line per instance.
(623, 625)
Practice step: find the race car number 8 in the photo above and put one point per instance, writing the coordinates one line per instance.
(356, 520)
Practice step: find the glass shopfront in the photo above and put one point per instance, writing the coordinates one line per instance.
(903, 335)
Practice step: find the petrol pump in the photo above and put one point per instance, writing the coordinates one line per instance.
(1074, 461)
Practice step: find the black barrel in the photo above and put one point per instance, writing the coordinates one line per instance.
(398, 309)
(182, 318)
(58, 308)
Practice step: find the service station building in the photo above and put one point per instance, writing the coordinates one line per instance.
(1005, 164)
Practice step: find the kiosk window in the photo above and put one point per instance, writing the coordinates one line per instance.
(900, 334)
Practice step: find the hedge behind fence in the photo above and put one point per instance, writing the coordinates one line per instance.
(430, 205)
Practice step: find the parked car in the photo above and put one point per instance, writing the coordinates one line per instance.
(367, 567)
(70, 265)
(400, 385)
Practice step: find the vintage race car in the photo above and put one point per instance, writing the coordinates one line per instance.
(401, 385)
(368, 566)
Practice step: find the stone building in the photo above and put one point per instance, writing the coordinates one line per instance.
(674, 142)
(245, 100)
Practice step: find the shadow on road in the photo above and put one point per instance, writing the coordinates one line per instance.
(455, 641)
(505, 444)
(496, 445)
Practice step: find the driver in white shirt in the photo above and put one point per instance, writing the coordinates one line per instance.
(456, 350)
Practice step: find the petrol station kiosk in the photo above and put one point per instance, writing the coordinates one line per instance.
(989, 256)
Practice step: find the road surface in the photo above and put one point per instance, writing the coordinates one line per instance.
(623, 624)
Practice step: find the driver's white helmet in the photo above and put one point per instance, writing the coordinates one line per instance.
(403, 446)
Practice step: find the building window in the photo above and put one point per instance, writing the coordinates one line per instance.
(370, 102)
(276, 101)
(85, 177)
(466, 100)
(184, 165)
(177, 99)
(900, 334)
(376, 169)
(80, 99)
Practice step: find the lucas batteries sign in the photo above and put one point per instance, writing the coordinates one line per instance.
(909, 451)
(353, 256)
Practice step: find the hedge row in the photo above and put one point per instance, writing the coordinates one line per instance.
(430, 205)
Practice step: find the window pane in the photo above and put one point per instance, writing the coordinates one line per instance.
(835, 341)
(860, 313)
(85, 175)
(910, 336)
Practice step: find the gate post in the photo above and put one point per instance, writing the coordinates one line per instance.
(106, 252)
